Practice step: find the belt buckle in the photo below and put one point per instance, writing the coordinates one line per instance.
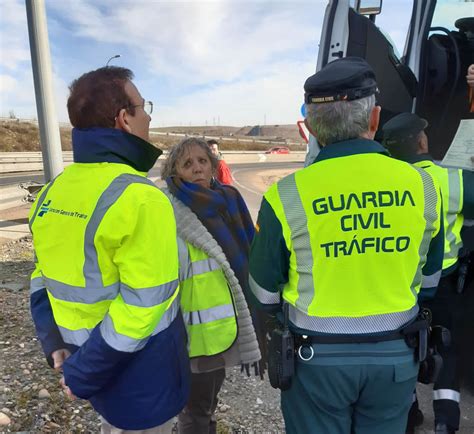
(305, 359)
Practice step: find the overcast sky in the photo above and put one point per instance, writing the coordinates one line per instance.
(200, 62)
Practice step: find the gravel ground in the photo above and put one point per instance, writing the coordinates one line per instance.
(31, 399)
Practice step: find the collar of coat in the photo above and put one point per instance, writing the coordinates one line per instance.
(350, 147)
(111, 145)
(419, 158)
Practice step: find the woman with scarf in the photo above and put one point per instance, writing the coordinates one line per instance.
(214, 233)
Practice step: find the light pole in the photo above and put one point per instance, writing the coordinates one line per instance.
(43, 80)
(113, 57)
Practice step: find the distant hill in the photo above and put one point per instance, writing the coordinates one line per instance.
(206, 131)
(19, 136)
(289, 132)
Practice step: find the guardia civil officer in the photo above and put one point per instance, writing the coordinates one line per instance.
(406, 140)
(346, 246)
(104, 290)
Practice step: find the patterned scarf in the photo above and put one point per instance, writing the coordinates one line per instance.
(222, 210)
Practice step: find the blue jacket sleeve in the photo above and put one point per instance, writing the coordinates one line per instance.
(46, 328)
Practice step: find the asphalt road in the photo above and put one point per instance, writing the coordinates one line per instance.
(244, 176)
(17, 178)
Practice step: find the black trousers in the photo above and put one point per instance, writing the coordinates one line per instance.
(198, 415)
(447, 310)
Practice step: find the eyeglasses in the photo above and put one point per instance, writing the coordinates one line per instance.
(146, 105)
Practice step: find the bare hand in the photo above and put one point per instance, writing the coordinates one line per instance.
(59, 356)
(470, 76)
(66, 389)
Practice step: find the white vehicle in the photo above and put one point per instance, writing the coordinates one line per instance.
(430, 76)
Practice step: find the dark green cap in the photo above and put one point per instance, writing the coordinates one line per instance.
(345, 79)
(402, 128)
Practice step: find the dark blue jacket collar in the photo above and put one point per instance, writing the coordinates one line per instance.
(419, 157)
(110, 145)
(350, 147)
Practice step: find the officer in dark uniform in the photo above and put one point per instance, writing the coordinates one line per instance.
(343, 250)
(406, 140)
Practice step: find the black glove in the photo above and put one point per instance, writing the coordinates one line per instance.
(263, 324)
(259, 368)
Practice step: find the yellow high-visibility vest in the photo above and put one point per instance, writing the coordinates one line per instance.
(96, 230)
(206, 303)
(338, 228)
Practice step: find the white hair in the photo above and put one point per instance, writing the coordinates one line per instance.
(340, 120)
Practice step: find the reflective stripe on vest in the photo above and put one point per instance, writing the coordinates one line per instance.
(297, 220)
(302, 253)
(450, 181)
(452, 215)
(262, 295)
(357, 325)
(430, 215)
(94, 299)
(189, 269)
(209, 315)
(143, 297)
(36, 284)
(115, 339)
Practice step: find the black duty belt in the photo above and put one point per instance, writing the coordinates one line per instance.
(407, 331)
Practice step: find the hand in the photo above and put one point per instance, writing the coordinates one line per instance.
(66, 389)
(259, 368)
(470, 76)
(246, 367)
(59, 356)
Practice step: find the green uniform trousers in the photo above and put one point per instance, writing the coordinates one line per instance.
(351, 389)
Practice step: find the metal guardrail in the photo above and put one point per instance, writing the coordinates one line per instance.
(255, 139)
(11, 162)
(11, 194)
(26, 161)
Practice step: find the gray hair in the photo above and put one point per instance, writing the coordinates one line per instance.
(340, 120)
(168, 167)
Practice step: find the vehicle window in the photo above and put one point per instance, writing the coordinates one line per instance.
(448, 11)
(394, 21)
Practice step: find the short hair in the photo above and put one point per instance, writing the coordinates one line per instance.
(96, 97)
(340, 120)
(212, 142)
(405, 147)
(168, 167)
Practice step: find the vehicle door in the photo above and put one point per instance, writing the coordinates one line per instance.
(439, 49)
(351, 31)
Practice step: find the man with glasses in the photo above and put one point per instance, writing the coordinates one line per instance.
(104, 290)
